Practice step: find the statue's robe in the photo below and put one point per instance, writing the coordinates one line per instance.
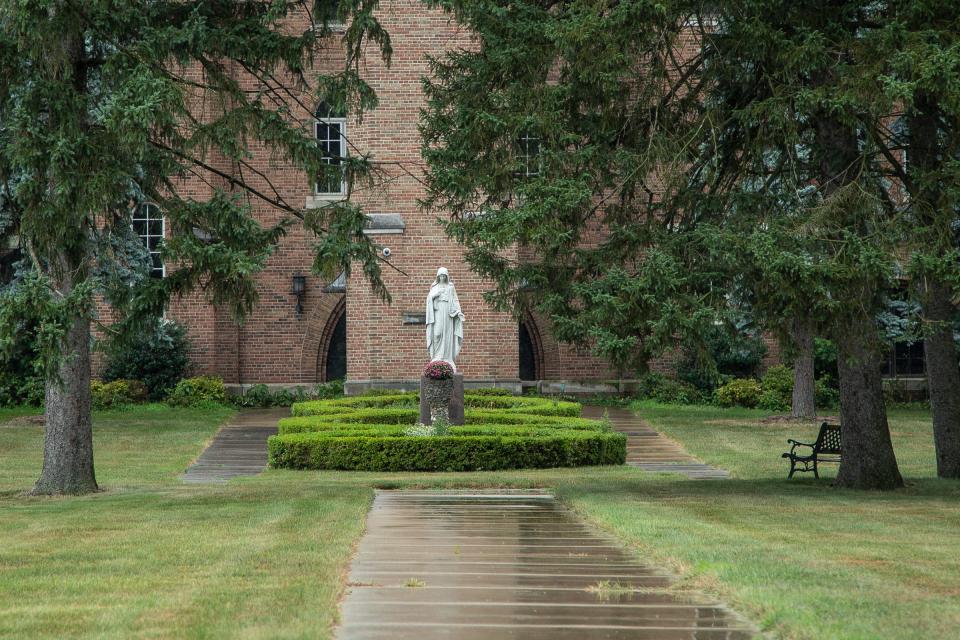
(444, 323)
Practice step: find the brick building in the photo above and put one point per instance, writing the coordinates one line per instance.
(340, 329)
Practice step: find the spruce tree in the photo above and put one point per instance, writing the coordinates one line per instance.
(913, 67)
(105, 105)
(680, 145)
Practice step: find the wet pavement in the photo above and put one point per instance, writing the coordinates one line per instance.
(650, 450)
(239, 448)
(510, 564)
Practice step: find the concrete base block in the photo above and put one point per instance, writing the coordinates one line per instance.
(454, 409)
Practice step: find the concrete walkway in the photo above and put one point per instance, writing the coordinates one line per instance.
(239, 448)
(650, 450)
(508, 565)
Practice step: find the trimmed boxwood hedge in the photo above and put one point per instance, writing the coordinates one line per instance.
(366, 433)
(305, 424)
(376, 452)
(517, 404)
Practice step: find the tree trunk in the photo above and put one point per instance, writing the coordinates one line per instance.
(868, 460)
(943, 375)
(68, 440)
(937, 217)
(804, 390)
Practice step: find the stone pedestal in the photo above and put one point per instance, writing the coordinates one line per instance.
(455, 408)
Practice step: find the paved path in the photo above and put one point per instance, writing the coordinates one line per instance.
(239, 448)
(652, 451)
(508, 565)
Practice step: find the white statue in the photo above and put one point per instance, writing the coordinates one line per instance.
(444, 320)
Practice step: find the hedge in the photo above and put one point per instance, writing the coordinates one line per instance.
(367, 433)
(518, 404)
(455, 452)
(478, 417)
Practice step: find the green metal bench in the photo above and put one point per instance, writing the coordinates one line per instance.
(827, 448)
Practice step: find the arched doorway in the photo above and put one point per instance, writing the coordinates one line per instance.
(335, 367)
(528, 354)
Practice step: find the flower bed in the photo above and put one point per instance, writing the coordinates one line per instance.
(366, 433)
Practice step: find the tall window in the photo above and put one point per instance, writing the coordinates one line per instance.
(331, 131)
(529, 155)
(905, 360)
(148, 224)
(330, 13)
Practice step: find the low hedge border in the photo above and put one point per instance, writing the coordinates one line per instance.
(366, 433)
(518, 404)
(563, 448)
(322, 422)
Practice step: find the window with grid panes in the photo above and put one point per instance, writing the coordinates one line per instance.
(529, 155)
(147, 221)
(331, 132)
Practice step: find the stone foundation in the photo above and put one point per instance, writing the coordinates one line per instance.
(454, 409)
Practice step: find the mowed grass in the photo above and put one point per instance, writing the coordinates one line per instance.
(803, 559)
(266, 557)
(144, 445)
(151, 557)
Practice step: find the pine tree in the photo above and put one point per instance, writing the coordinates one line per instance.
(105, 105)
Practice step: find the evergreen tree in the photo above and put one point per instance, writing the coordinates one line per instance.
(914, 69)
(108, 104)
(675, 140)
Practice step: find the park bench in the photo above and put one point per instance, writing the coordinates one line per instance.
(825, 449)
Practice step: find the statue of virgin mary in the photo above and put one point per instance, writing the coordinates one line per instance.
(444, 320)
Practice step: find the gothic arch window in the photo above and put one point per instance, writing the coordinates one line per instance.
(330, 128)
(148, 223)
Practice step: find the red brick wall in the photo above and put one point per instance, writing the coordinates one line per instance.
(276, 346)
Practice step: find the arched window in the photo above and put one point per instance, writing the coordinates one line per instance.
(331, 132)
(149, 225)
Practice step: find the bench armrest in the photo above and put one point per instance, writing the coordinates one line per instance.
(794, 444)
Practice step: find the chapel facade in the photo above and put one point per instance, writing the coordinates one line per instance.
(306, 329)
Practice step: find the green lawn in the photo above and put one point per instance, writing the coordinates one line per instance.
(804, 559)
(266, 556)
(8, 413)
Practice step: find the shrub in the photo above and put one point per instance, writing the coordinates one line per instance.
(777, 386)
(656, 386)
(256, 396)
(741, 392)
(825, 360)
(394, 417)
(332, 389)
(17, 387)
(21, 373)
(259, 395)
(826, 394)
(734, 349)
(106, 395)
(489, 391)
(198, 391)
(457, 451)
(518, 404)
(159, 356)
(379, 433)
(438, 370)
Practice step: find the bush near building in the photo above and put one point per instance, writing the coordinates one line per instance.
(198, 392)
(158, 356)
(117, 393)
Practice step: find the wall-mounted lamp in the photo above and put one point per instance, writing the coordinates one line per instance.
(299, 289)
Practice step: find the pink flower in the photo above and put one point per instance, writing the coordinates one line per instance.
(438, 370)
